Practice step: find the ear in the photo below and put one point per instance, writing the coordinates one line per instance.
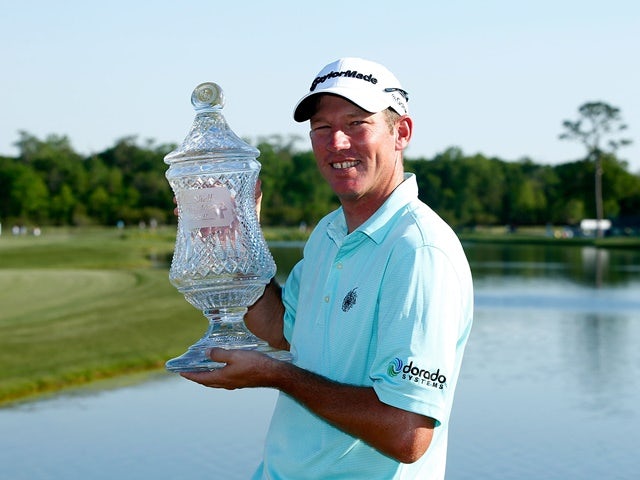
(404, 129)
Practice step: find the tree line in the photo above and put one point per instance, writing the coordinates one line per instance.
(48, 183)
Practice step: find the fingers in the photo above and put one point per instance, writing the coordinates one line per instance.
(258, 197)
(242, 369)
(221, 355)
(217, 378)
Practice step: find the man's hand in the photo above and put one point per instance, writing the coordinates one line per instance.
(243, 369)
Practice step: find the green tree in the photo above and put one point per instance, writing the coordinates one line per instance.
(465, 191)
(49, 182)
(54, 160)
(597, 128)
(133, 177)
(277, 167)
(308, 190)
(28, 195)
(63, 205)
(571, 211)
(529, 190)
(437, 182)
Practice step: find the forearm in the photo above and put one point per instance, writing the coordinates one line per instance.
(357, 411)
(265, 317)
(400, 434)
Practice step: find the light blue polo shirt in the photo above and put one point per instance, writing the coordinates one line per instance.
(389, 306)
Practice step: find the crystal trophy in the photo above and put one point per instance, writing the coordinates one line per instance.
(221, 262)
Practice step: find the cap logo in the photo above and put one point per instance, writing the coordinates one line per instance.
(346, 73)
(399, 101)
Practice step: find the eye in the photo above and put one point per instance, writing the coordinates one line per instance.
(356, 122)
(319, 131)
(319, 127)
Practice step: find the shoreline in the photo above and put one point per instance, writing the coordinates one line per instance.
(82, 342)
(114, 380)
(530, 239)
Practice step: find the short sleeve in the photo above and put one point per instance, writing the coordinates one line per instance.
(420, 315)
(290, 292)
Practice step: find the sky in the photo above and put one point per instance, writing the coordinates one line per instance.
(491, 77)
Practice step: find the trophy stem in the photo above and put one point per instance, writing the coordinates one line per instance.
(226, 330)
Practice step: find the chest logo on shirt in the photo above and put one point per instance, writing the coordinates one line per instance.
(349, 300)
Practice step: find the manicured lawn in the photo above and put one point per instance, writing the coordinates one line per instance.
(81, 305)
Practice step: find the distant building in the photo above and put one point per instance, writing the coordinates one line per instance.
(589, 226)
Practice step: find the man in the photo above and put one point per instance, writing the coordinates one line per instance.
(376, 314)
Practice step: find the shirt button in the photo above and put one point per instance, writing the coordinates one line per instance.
(339, 266)
(326, 299)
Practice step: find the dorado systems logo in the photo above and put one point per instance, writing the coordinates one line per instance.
(395, 367)
(413, 373)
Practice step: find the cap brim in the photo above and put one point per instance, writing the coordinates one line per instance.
(305, 108)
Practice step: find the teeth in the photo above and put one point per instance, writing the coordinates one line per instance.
(344, 165)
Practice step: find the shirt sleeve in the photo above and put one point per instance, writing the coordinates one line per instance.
(420, 314)
(290, 292)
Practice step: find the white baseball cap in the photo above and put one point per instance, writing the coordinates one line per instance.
(368, 84)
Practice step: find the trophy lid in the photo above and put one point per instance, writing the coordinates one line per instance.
(210, 137)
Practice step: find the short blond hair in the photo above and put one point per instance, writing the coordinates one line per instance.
(391, 116)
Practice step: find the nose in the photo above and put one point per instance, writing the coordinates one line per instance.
(338, 140)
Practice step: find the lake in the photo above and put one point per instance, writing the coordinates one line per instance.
(549, 389)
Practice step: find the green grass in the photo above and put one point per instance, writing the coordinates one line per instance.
(77, 306)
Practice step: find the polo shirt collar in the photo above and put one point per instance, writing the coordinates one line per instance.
(378, 225)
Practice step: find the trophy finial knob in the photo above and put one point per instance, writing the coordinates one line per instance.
(207, 95)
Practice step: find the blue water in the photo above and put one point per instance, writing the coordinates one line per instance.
(163, 428)
(549, 389)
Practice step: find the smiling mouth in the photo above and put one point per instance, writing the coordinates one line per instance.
(343, 165)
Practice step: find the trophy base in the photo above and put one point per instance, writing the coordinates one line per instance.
(226, 331)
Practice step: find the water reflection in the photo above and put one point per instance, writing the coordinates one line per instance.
(548, 393)
(596, 264)
(591, 266)
(549, 389)
(605, 348)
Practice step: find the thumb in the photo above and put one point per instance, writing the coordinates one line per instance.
(218, 354)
